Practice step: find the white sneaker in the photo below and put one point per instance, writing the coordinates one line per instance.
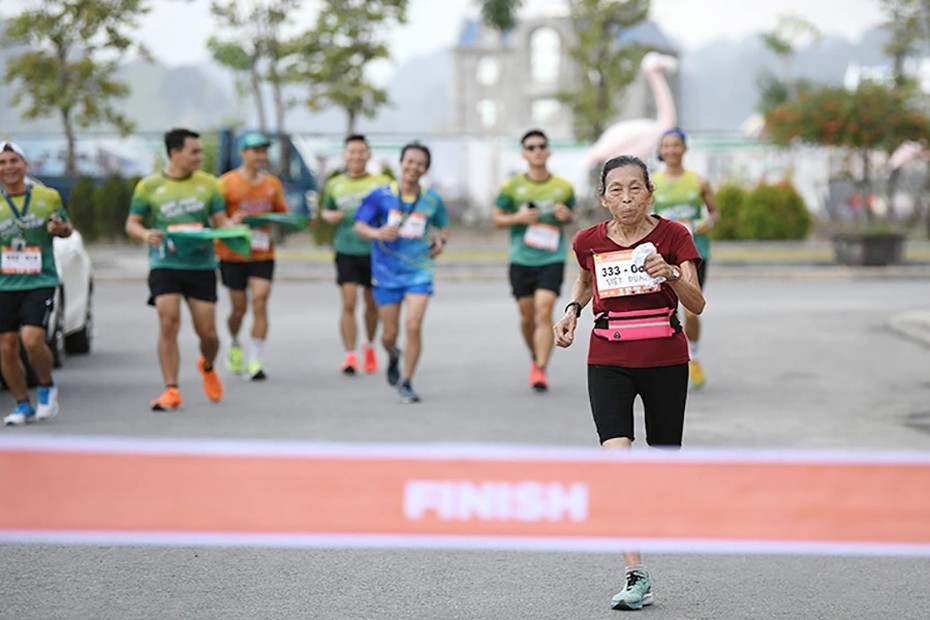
(21, 415)
(47, 407)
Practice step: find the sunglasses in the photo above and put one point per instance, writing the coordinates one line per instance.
(537, 147)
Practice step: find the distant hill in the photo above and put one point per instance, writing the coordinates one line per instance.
(718, 85)
(718, 81)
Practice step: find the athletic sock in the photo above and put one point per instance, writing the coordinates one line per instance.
(693, 349)
(256, 351)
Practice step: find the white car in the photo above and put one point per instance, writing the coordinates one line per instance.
(73, 318)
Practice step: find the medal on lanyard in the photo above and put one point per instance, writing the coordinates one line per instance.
(19, 242)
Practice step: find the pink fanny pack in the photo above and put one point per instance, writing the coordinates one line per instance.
(637, 324)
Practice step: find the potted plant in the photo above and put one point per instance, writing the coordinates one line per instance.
(868, 121)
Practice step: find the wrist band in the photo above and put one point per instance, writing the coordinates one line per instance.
(577, 308)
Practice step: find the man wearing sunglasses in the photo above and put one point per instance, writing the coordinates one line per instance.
(536, 206)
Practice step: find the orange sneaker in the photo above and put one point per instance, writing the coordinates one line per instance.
(169, 400)
(371, 360)
(538, 378)
(350, 364)
(212, 386)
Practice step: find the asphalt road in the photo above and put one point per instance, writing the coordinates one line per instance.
(793, 364)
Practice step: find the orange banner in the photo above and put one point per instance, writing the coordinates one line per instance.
(335, 495)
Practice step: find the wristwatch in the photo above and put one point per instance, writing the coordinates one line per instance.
(676, 273)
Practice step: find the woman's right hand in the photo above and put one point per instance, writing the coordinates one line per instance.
(565, 329)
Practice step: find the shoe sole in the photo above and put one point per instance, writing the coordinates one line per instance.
(348, 370)
(160, 407)
(621, 606)
(259, 376)
(51, 415)
(540, 387)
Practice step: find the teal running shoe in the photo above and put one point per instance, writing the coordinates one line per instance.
(636, 592)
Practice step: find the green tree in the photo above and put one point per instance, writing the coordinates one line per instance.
(255, 48)
(500, 14)
(75, 47)
(789, 35)
(872, 117)
(347, 37)
(605, 66)
(908, 24)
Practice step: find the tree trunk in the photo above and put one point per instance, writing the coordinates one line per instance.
(867, 185)
(256, 82)
(352, 118)
(70, 159)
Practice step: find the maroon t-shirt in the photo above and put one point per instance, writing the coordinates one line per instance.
(674, 243)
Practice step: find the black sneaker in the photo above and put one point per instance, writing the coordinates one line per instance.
(393, 369)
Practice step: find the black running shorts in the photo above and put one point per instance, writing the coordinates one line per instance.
(353, 268)
(32, 307)
(524, 281)
(191, 283)
(664, 391)
(235, 275)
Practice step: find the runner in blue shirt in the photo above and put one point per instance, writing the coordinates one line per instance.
(409, 227)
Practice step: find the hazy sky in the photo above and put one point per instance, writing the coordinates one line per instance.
(176, 30)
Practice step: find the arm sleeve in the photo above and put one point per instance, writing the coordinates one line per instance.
(581, 253)
(139, 204)
(328, 201)
(280, 201)
(368, 211)
(504, 200)
(440, 216)
(685, 249)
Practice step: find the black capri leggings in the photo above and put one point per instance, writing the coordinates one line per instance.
(664, 390)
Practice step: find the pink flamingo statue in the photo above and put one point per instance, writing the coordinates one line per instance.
(640, 136)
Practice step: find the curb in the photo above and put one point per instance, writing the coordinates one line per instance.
(913, 324)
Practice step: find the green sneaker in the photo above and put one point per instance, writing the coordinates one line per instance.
(234, 359)
(255, 372)
(636, 592)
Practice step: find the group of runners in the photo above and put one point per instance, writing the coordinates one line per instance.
(635, 268)
(387, 234)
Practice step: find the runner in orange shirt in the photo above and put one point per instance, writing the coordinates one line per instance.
(251, 190)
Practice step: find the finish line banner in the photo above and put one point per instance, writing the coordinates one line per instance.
(248, 493)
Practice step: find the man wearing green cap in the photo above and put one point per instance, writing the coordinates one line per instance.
(250, 191)
(181, 197)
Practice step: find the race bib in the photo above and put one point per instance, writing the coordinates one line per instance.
(22, 260)
(261, 240)
(185, 226)
(413, 226)
(542, 236)
(617, 275)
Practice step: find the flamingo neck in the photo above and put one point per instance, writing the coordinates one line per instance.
(665, 105)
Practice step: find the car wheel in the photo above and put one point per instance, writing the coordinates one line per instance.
(78, 343)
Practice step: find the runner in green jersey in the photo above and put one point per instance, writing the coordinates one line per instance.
(30, 216)
(181, 198)
(536, 206)
(684, 196)
(341, 198)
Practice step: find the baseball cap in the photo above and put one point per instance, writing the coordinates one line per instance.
(253, 140)
(12, 146)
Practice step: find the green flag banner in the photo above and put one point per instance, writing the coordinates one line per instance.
(291, 221)
(237, 238)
